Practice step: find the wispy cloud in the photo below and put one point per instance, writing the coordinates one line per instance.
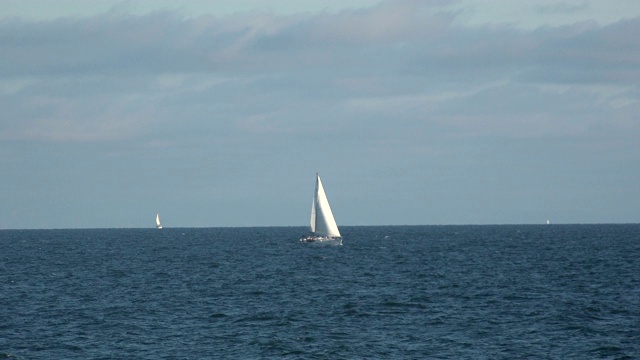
(140, 62)
(562, 7)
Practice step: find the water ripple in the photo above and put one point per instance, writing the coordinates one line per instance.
(443, 292)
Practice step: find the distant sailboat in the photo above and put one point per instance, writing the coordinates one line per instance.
(158, 224)
(548, 222)
(323, 225)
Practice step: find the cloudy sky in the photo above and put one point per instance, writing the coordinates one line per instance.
(219, 113)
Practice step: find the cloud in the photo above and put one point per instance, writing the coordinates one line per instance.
(561, 7)
(162, 42)
(115, 76)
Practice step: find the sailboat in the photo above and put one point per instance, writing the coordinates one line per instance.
(158, 224)
(323, 225)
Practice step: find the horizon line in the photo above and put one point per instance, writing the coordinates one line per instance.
(305, 226)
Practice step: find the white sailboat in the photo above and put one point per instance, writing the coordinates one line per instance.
(323, 225)
(158, 224)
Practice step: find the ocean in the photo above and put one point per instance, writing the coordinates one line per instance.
(389, 292)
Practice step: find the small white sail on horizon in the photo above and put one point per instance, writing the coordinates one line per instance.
(158, 224)
(323, 225)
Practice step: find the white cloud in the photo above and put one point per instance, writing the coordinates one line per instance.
(529, 15)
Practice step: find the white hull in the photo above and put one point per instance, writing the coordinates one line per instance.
(321, 239)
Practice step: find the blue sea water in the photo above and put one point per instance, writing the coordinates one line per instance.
(390, 292)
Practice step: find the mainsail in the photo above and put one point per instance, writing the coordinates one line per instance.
(158, 224)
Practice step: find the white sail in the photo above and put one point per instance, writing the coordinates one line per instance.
(313, 211)
(322, 221)
(158, 224)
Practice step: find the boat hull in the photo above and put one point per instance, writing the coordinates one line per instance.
(321, 239)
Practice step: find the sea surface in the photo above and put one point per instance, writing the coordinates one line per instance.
(389, 292)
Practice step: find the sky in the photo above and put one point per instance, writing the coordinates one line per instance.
(414, 112)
